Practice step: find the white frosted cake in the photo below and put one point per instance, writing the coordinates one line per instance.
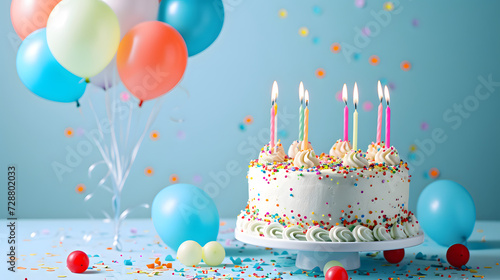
(343, 196)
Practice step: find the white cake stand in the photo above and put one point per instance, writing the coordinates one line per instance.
(316, 254)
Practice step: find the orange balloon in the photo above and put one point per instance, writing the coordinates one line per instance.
(151, 59)
(30, 15)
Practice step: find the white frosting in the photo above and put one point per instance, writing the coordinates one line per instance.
(294, 233)
(340, 148)
(268, 155)
(273, 230)
(411, 227)
(316, 233)
(397, 232)
(373, 149)
(255, 227)
(381, 233)
(362, 234)
(354, 159)
(341, 234)
(389, 156)
(305, 159)
(295, 148)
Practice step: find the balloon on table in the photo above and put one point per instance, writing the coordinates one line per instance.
(151, 59)
(457, 255)
(132, 12)
(184, 212)
(28, 16)
(190, 253)
(77, 262)
(43, 75)
(213, 253)
(446, 212)
(198, 21)
(83, 36)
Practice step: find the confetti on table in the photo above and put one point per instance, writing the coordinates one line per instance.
(374, 60)
(335, 48)
(154, 135)
(367, 106)
(434, 173)
(282, 13)
(320, 73)
(405, 65)
(80, 188)
(68, 132)
(303, 31)
(174, 178)
(388, 6)
(149, 171)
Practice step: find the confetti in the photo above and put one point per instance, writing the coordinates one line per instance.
(359, 3)
(242, 127)
(174, 178)
(124, 96)
(405, 66)
(366, 31)
(197, 179)
(282, 13)
(374, 60)
(338, 96)
(149, 171)
(80, 188)
(434, 173)
(367, 106)
(424, 126)
(315, 40)
(413, 148)
(335, 48)
(80, 131)
(392, 86)
(154, 135)
(415, 22)
(248, 120)
(320, 73)
(68, 132)
(317, 10)
(356, 56)
(388, 6)
(303, 31)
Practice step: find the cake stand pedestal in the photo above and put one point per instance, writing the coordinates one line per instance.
(316, 254)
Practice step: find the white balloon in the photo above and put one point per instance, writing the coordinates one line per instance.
(132, 12)
(108, 77)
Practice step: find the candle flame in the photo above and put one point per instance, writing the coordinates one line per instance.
(301, 92)
(387, 95)
(307, 98)
(344, 94)
(355, 95)
(380, 92)
(274, 94)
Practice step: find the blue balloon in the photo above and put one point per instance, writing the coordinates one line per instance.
(198, 21)
(42, 74)
(184, 212)
(446, 212)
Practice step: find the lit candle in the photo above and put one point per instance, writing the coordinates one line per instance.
(380, 109)
(387, 118)
(346, 113)
(355, 118)
(275, 92)
(273, 123)
(301, 112)
(306, 123)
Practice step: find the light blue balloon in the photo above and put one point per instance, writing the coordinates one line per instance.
(42, 74)
(198, 21)
(446, 212)
(184, 212)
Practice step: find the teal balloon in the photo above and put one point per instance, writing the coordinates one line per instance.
(184, 212)
(446, 212)
(43, 75)
(198, 21)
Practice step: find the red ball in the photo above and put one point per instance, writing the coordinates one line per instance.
(457, 255)
(336, 273)
(394, 256)
(77, 262)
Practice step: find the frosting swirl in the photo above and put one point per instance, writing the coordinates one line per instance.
(340, 148)
(273, 230)
(294, 233)
(295, 148)
(389, 156)
(255, 227)
(341, 234)
(373, 148)
(397, 232)
(354, 159)
(411, 227)
(381, 233)
(316, 233)
(363, 234)
(269, 155)
(305, 159)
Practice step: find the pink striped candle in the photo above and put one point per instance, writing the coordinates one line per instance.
(346, 113)
(273, 124)
(380, 112)
(387, 119)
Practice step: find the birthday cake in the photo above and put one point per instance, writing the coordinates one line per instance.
(343, 196)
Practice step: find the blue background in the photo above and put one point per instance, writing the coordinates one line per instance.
(453, 44)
